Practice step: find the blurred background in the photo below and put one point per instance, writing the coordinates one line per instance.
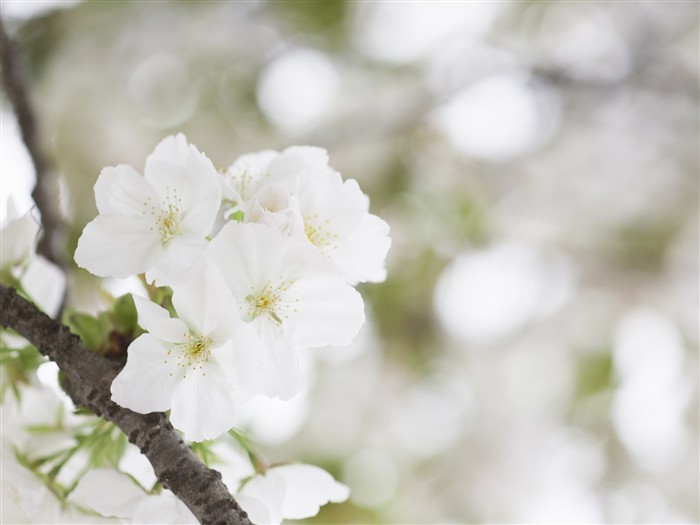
(533, 354)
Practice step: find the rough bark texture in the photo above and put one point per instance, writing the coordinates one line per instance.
(89, 377)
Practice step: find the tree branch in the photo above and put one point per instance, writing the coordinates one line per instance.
(89, 377)
(45, 191)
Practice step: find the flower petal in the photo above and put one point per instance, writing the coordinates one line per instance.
(18, 239)
(205, 303)
(163, 508)
(261, 254)
(203, 406)
(267, 365)
(178, 255)
(178, 168)
(362, 255)
(157, 321)
(296, 160)
(108, 492)
(115, 245)
(244, 176)
(45, 283)
(122, 189)
(329, 312)
(307, 489)
(263, 497)
(147, 381)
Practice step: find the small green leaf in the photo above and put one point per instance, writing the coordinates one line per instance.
(125, 314)
(90, 329)
(238, 215)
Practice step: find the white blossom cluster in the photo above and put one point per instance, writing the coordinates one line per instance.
(261, 259)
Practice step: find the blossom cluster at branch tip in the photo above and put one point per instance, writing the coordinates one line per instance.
(262, 260)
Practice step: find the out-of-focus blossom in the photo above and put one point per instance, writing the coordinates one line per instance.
(289, 491)
(19, 236)
(113, 494)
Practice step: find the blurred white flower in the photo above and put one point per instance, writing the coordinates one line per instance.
(293, 491)
(19, 236)
(40, 279)
(186, 365)
(113, 494)
(287, 292)
(157, 223)
(25, 499)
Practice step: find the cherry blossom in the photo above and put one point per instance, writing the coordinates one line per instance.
(289, 295)
(293, 491)
(186, 364)
(113, 494)
(155, 224)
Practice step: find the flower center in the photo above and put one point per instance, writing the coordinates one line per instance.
(192, 354)
(318, 232)
(268, 300)
(167, 215)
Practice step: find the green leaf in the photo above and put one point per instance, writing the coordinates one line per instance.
(238, 215)
(125, 315)
(91, 330)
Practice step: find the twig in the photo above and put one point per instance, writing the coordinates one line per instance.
(44, 194)
(89, 377)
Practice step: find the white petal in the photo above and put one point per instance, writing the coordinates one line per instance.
(296, 160)
(178, 255)
(18, 239)
(108, 492)
(329, 312)
(163, 508)
(157, 321)
(268, 489)
(45, 283)
(118, 246)
(362, 255)
(258, 511)
(203, 406)
(178, 168)
(244, 177)
(249, 255)
(268, 365)
(121, 189)
(147, 381)
(205, 303)
(307, 489)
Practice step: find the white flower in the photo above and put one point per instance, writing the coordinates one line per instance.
(336, 220)
(25, 499)
(157, 223)
(113, 494)
(253, 171)
(286, 292)
(19, 236)
(293, 491)
(244, 177)
(186, 365)
(299, 194)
